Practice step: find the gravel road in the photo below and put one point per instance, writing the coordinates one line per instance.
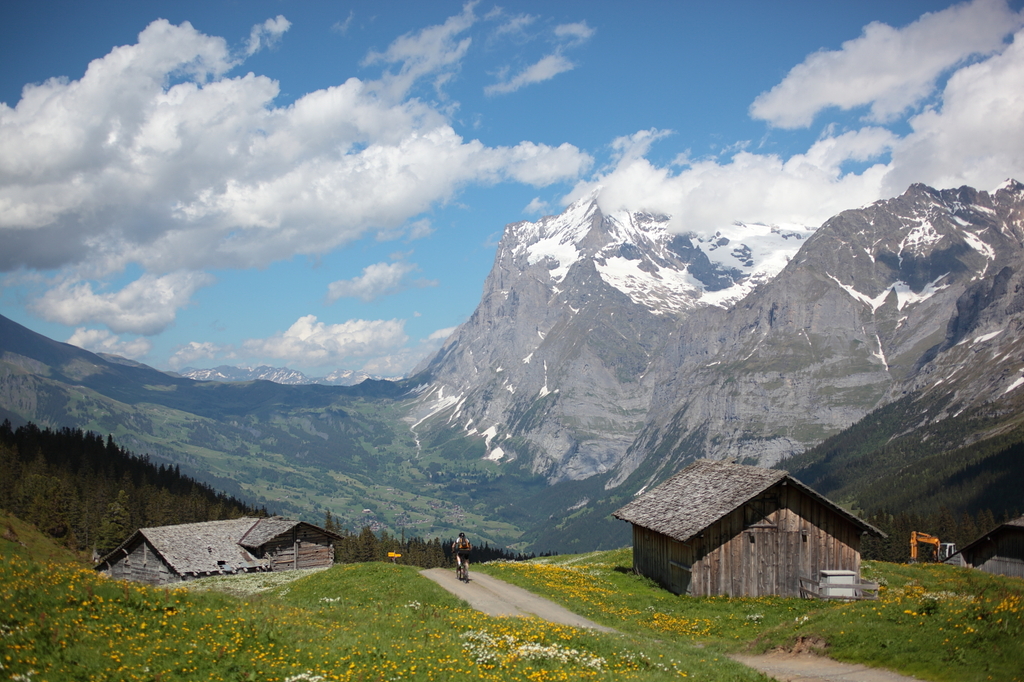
(499, 598)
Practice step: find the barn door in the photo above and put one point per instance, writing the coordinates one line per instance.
(760, 561)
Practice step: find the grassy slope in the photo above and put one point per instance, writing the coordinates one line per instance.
(351, 622)
(935, 622)
(380, 621)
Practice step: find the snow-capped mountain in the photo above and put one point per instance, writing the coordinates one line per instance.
(603, 339)
(552, 364)
(279, 375)
(664, 272)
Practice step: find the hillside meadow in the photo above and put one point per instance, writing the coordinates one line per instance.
(378, 621)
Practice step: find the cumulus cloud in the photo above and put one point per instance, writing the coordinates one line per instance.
(971, 134)
(146, 306)
(405, 360)
(102, 341)
(312, 343)
(157, 157)
(888, 69)
(976, 137)
(197, 350)
(377, 280)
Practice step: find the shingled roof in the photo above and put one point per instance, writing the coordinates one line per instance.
(1013, 523)
(211, 546)
(702, 493)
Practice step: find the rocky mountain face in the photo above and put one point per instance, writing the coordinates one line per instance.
(552, 369)
(606, 344)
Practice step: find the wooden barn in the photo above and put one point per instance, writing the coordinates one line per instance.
(999, 551)
(728, 529)
(169, 554)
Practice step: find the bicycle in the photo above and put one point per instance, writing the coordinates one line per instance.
(461, 569)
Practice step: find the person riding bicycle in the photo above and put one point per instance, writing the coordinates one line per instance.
(461, 549)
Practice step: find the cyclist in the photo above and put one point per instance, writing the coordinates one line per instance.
(461, 549)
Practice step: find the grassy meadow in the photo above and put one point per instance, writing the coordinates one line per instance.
(377, 621)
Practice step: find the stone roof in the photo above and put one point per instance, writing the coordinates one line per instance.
(266, 530)
(211, 546)
(702, 493)
(196, 548)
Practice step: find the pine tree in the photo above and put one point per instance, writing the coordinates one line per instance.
(116, 525)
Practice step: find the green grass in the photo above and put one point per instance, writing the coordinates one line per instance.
(379, 621)
(935, 622)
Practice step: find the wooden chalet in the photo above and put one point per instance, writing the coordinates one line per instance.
(999, 551)
(727, 529)
(169, 554)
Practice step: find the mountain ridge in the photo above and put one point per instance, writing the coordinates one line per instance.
(574, 385)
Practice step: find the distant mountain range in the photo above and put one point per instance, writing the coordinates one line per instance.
(878, 357)
(279, 375)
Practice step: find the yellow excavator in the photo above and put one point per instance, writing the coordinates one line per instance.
(943, 550)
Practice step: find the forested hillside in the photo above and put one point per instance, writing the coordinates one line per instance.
(91, 494)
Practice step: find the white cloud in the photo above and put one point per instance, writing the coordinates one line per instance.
(377, 280)
(889, 69)
(514, 25)
(976, 137)
(196, 350)
(972, 134)
(102, 341)
(311, 343)
(403, 361)
(267, 34)
(441, 334)
(537, 206)
(576, 33)
(157, 158)
(146, 306)
(545, 69)
(342, 27)
(432, 50)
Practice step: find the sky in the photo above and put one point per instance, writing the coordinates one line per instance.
(322, 185)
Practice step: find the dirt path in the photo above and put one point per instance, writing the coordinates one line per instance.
(787, 667)
(499, 598)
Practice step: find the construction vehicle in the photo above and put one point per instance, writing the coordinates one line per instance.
(943, 550)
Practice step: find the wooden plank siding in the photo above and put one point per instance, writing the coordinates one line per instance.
(303, 547)
(761, 548)
(1001, 552)
(140, 563)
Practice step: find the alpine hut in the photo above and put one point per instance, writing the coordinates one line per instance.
(999, 551)
(169, 554)
(718, 528)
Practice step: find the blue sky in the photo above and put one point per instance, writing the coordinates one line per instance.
(321, 185)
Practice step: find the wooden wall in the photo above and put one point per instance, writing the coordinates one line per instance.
(141, 564)
(302, 547)
(761, 548)
(1003, 554)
